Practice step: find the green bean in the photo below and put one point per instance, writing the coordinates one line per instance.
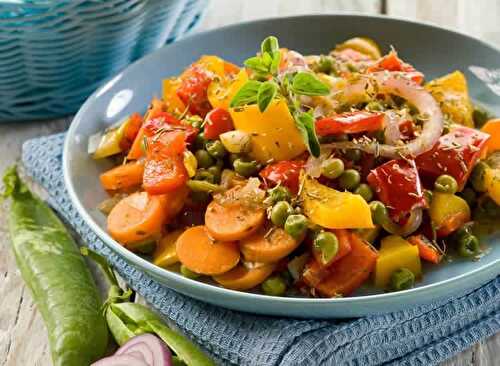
(202, 186)
(477, 177)
(245, 168)
(280, 212)
(327, 244)
(61, 284)
(349, 179)
(216, 171)
(279, 193)
(468, 246)
(186, 272)
(296, 225)
(364, 191)
(446, 184)
(332, 168)
(216, 149)
(274, 286)
(204, 159)
(205, 175)
(402, 279)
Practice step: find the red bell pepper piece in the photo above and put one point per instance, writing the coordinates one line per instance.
(391, 62)
(397, 185)
(407, 130)
(350, 122)
(165, 122)
(284, 172)
(217, 121)
(454, 154)
(193, 89)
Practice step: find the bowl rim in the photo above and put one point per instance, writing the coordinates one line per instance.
(148, 267)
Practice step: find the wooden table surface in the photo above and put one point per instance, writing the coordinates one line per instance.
(23, 339)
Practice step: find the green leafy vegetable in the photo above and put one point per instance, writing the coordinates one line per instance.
(269, 45)
(256, 64)
(305, 123)
(266, 94)
(306, 83)
(247, 94)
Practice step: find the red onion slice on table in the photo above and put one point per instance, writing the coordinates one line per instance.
(154, 351)
(396, 83)
(120, 360)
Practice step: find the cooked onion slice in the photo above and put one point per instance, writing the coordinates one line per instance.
(396, 83)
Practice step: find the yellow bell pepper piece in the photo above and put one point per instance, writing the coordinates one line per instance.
(274, 135)
(212, 63)
(110, 141)
(333, 209)
(165, 254)
(170, 97)
(448, 212)
(451, 92)
(492, 127)
(395, 253)
(221, 92)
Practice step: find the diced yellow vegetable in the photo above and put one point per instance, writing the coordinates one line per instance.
(448, 212)
(451, 92)
(170, 97)
(274, 135)
(236, 141)
(221, 91)
(492, 179)
(332, 209)
(363, 45)
(395, 253)
(190, 163)
(165, 254)
(212, 63)
(110, 141)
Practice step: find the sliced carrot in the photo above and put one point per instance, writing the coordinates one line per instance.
(136, 218)
(174, 201)
(351, 271)
(242, 278)
(232, 221)
(201, 254)
(343, 237)
(123, 176)
(266, 246)
(426, 250)
(493, 128)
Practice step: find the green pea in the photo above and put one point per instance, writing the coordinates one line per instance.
(327, 244)
(186, 272)
(353, 155)
(402, 279)
(446, 184)
(216, 149)
(216, 171)
(477, 177)
(332, 168)
(364, 191)
(324, 65)
(199, 142)
(204, 174)
(480, 116)
(379, 212)
(274, 286)
(280, 212)
(349, 179)
(279, 193)
(469, 195)
(375, 106)
(468, 246)
(204, 159)
(245, 168)
(296, 225)
(202, 186)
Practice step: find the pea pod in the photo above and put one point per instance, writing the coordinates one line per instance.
(45, 254)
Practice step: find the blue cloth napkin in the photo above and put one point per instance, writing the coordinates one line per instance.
(423, 335)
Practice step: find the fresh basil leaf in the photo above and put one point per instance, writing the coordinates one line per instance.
(256, 64)
(269, 45)
(305, 123)
(275, 64)
(266, 94)
(305, 83)
(247, 94)
(267, 60)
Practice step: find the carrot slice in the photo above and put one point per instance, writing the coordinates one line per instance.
(242, 278)
(136, 218)
(268, 246)
(123, 176)
(351, 271)
(426, 250)
(233, 221)
(174, 201)
(203, 255)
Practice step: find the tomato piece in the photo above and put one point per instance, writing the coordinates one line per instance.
(217, 121)
(391, 62)
(350, 122)
(398, 186)
(455, 154)
(284, 172)
(193, 89)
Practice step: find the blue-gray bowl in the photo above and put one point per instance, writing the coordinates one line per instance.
(433, 50)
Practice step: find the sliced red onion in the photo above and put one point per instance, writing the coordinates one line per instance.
(294, 62)
(391, 132)
(410, 227)
(153, 350)
(120, 360)
(313, 165)
(396, 83)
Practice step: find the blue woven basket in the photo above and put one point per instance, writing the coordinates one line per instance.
(55, 53)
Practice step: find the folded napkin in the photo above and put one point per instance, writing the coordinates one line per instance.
(423, 335)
